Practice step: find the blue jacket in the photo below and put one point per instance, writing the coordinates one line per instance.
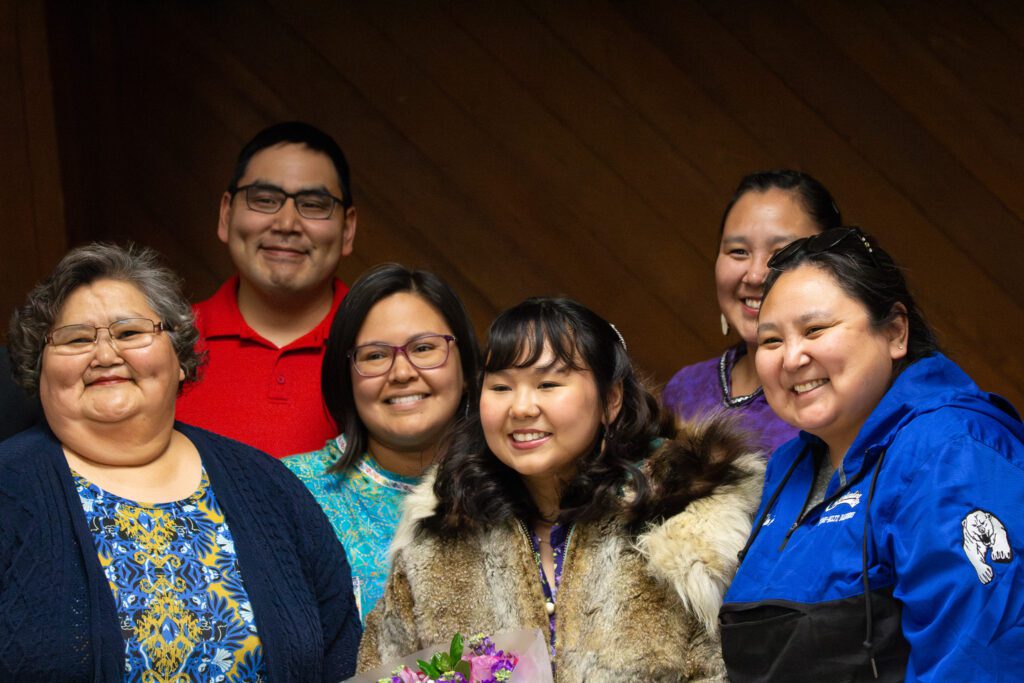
(943, 533)
(58, 620)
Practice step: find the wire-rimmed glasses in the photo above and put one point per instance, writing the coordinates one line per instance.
(130, 333)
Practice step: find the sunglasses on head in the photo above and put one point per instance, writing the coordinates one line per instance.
(817, 244)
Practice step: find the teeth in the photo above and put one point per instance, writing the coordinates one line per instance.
(401, 400)
(528, 436)
(807, 386)
(752, 303)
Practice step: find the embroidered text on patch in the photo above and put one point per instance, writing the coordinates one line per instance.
(829, 519)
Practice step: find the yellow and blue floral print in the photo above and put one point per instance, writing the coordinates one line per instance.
(182, 606)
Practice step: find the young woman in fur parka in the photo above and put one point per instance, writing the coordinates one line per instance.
(567, 504)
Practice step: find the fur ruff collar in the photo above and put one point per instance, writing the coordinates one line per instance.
(693, 550)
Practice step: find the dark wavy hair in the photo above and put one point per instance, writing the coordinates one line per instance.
(868, 274)
(295, 132)
(138, 266)
(476, 490)
(813, 197)
(336, 376)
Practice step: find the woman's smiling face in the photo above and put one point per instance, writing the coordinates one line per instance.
(107, 385)
(406, 409)
(823, 365)
(758, 225)
(539, 420)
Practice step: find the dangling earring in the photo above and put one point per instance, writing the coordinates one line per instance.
(725, 326)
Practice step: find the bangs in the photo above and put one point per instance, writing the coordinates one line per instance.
(519, 336)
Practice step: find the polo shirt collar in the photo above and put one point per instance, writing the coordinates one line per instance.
(222, 318)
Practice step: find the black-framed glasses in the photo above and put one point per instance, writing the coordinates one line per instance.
(315, 204)
(425, 352)
(817, 244)
(130, 333)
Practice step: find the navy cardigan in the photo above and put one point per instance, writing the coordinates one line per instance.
(58, 620)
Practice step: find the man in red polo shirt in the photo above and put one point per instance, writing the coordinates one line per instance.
(287, 219)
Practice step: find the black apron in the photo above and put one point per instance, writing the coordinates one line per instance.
(789, 641)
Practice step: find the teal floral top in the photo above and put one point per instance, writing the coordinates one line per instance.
(364, 504)
(183, 609)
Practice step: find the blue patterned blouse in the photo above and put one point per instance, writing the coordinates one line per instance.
(182, 605)
(364, 504)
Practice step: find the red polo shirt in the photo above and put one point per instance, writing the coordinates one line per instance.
(253, 391)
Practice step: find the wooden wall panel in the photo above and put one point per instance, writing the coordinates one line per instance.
(583, 147)
(31, 201)
(1006, 15)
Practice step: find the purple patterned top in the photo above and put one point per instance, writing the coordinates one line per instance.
(703, 389)
(559, 542)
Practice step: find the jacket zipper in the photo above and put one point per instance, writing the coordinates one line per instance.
(799, 518)
(807, 513)
(568, 544)
(529, 544)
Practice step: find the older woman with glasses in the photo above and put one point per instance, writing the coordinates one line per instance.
(400, 367)
(136, 548)
(888, 542)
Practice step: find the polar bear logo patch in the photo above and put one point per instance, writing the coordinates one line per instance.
(984, 531)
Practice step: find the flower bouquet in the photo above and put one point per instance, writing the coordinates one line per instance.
(511, 657)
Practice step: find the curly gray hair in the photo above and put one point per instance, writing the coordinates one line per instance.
(139, 266)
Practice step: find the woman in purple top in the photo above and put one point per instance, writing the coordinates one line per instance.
(769, 210)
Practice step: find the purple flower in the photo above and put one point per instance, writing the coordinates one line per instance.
(506, 662)
(452, 677)
(482, 645)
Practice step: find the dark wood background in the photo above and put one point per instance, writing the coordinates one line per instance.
(533, 146)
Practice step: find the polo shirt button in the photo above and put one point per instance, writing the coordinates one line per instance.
(280, 379)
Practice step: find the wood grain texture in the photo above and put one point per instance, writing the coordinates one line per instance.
(31, 201)
(584, 147)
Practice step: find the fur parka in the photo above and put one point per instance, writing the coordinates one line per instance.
(629, 608)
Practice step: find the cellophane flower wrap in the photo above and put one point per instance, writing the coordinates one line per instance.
(509, 657)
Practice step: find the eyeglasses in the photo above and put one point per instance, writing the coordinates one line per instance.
(130, 333)
(817, 244)
(313, 204)
(425, 353)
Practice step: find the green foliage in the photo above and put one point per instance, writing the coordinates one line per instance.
(428, 668)
(455, 651)
(446, 662)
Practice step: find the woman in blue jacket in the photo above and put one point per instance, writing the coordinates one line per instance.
(888, 541)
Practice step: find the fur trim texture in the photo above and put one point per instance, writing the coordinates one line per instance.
(630, 607)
